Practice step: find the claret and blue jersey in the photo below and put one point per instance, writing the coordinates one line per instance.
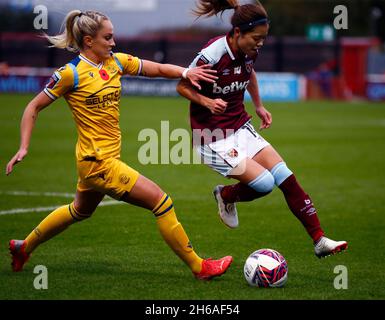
(234, 71)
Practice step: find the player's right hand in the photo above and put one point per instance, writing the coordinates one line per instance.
(201, 73)
(19, 156)
(217, 106)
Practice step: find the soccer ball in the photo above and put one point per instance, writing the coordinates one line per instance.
(266, 268)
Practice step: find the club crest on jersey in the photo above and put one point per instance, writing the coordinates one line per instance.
(111, 69)
(232, 153)
(53, 81)
(238, 70)
(249, 66)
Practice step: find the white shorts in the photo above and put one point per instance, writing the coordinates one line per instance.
(228, 155)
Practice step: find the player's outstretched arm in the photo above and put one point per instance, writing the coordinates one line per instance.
(194, 75)
(26, 126)
(260, 110)
(216, 106)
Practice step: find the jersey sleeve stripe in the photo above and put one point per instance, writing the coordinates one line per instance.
(76, 76)
(140, 67)
(49, 94)
(194, 63)
(228, 49)
(214, 52)
(118, 63)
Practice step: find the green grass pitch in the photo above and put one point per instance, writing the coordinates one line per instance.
(337, 151)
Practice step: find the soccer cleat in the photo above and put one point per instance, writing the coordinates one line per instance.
(327, 247)
(19, 256)
(213, 268)
(227, 211)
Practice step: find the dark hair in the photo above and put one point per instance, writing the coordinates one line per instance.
(245, 17)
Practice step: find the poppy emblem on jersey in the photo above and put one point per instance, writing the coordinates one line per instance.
(232, 153)
(103, 74)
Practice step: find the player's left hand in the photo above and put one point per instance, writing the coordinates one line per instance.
(201, 73)
(265, 117)
(18, 157)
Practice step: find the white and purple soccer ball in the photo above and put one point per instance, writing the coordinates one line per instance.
(266, 268)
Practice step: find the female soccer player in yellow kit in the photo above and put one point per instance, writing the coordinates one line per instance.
(90, 83)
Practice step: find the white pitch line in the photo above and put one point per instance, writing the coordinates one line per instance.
(45, 194)
(43, 209)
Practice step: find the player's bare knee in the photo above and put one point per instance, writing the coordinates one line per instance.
(154, 197)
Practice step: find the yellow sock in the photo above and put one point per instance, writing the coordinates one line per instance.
(53, 224)
(174, 234)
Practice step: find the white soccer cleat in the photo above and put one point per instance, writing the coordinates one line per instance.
(326, 247)
(227, 211)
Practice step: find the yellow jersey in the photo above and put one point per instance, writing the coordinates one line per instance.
(93, 94)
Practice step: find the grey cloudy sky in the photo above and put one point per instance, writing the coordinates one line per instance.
(130, 17)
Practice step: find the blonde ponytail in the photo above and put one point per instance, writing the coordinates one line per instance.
(77, 25)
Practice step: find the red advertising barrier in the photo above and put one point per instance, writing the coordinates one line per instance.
(354, 57)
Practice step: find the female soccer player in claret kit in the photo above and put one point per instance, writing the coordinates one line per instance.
(222, 132)
(90, 84)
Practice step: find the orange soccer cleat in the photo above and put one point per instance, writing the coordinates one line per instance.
(213, 268)
(19, 256)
